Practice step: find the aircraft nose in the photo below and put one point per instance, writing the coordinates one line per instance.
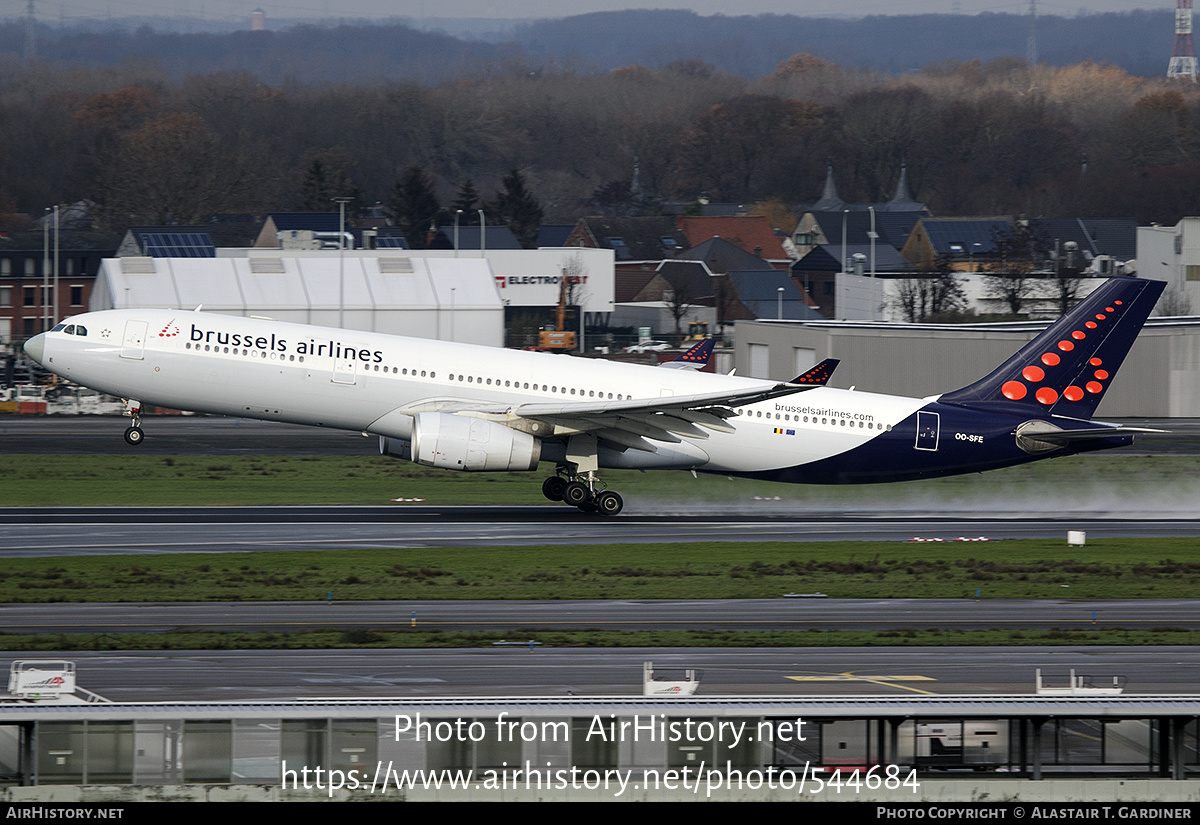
(35, 347)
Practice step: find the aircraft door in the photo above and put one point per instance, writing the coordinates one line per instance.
(928, 424)
(344, 371)
(133, 345)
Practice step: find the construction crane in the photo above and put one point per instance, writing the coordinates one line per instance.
(558, 339)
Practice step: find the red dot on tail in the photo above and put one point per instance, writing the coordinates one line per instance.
(1072, 393)
(1032, 373)
(1051, 359)
(1013, 390)
(1066, 346)
(1095, 362)
(1046, 396)
(1093, 387)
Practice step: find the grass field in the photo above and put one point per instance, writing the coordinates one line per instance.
(1119, 485)
(1098, 485)
(387, 639)
(1037, 569)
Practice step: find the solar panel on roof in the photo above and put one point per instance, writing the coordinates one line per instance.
(178, 245)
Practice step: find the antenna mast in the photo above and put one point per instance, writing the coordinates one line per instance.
(1183, 56)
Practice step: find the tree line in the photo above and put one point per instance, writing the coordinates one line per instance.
(994, 138)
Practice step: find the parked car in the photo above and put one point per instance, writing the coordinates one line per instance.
(649, 346)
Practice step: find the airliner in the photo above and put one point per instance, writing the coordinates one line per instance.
(472, 408)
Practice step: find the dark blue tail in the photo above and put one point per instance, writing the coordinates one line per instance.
(818, 375)
(1067, 369)
(696, 357)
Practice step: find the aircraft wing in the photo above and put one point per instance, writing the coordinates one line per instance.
(626, 424)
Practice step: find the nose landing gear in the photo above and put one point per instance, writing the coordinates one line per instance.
(583, 491)
(133, 434)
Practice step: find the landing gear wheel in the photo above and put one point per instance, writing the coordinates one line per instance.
(576, 493)
(134, 436)
(609, 503)
(553, 488)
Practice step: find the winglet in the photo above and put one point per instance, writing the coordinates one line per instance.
(818, 375)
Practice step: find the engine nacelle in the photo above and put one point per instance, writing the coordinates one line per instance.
(454, 442)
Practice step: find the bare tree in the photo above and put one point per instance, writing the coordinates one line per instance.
(1068, 275)
(1011, 276)
(935, 293)
(1173, 303)
(679, 300)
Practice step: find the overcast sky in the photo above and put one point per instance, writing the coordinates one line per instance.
(53, 10)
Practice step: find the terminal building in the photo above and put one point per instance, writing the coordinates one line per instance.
(944, 747)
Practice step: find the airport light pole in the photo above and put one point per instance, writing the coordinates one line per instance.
(56, 263)
(45, 270)
(482, 234)
(457, 214)
(341, 201)
(872, 234)
(779, 292)
(845, 216)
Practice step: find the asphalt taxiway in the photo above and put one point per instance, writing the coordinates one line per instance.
(517, 671)
(770, 615)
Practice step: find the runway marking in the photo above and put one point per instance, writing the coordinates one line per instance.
(885, 681)
(846, 677)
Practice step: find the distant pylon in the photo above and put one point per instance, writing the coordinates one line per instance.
(30, 33)
(1183, 56)
(1031, 55)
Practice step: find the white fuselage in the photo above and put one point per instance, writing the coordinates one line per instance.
(369, 382)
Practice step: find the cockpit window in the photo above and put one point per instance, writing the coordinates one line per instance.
(59, 328)
(80, 329)
(70, 330)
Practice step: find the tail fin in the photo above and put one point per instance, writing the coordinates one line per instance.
(818, 375)
(695, 358)
(1067, 369)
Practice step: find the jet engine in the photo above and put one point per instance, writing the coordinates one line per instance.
(454, 442)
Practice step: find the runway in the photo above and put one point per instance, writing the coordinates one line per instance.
(782, 614)
(265, 675)
(62, 531)
(53, 532)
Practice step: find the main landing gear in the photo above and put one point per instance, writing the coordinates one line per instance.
(583, 491)
(133, 433)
